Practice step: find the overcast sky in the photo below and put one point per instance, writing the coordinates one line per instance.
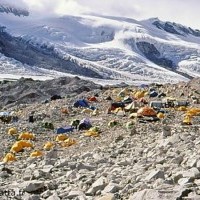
(185, 12)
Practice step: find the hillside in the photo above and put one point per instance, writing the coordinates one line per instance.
(127, 154)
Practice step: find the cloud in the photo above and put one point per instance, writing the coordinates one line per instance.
(181, 11)
(17, 3)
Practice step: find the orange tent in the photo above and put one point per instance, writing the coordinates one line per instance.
(92, 99)
(146, 111)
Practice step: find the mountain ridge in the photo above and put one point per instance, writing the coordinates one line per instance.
(114, 48)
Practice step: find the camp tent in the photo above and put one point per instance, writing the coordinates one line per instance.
(84, 124)
(92, 98)
(55, 97)
(64, 130)
(81, 103)
(139, 94)
(117, 105)
(127, 100)
(153, 94)
(146, 111)
(130, 107)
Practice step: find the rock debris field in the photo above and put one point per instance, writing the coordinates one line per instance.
(118, 152)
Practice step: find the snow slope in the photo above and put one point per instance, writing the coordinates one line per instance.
(116, 48)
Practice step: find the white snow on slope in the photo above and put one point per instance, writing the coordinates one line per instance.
(107, 44)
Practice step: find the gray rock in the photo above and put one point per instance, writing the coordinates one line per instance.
(75, 193)
(4, 174)
(72, 175)
(53, 154)
(99, 184)
(148, 194)
(184, 181)
(54, 197)
(32, 186)
(177, 176)
(198, 164)
(62, 163)
(86, 166)
(155, 174)
(33, 197)
(111, 188)
(47, 169)
(166, 131)
(107, 197)
(192, 173)
(46, 194)
(37, 174)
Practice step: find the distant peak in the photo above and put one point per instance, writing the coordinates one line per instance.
(174, 28)
(6, 8)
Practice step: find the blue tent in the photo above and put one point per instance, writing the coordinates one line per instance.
(84, 124)
(153, 94)
(65, 130)
(81, 103)
(143, 86)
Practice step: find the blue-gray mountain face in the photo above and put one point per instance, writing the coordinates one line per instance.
(13, 10)
(98, 47)
(175, 28)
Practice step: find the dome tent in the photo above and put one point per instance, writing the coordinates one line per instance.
(146, 111)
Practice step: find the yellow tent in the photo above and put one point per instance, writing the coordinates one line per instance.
(68, 142)
(61, 137)
(193, 112)
(187, 120)
(36, 154)
(12, 131)
(26, 136)
(48, 146)
(9, 157)
(139, 94)
(160, 115)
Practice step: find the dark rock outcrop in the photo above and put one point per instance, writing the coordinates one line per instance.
(151, 52)
(25, 91)
(175, 28)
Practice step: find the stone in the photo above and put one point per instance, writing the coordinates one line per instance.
(184, 181)
(86, 166)
(198, 164)
(72, 175)
(53, 154)
(61, 163)
(177, 176)
(153, 194)
(46, 194)
(54, 197)
(75, 193)
(111, 188)
(51, 185)
(4, 174)
(166, 131)
(99, 184)
(32, 186)
(107, 197)
(33, 197)
(39, 174)
(155, 174)
(192, 173)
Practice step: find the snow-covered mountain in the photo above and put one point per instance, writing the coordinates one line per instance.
(98, 47)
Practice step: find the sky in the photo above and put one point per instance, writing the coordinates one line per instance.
(185, 12)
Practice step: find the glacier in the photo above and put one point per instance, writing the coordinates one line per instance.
(104, 49)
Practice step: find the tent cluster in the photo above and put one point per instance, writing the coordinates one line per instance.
(142, 105)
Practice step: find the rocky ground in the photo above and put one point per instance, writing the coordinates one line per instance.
(152, 160)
